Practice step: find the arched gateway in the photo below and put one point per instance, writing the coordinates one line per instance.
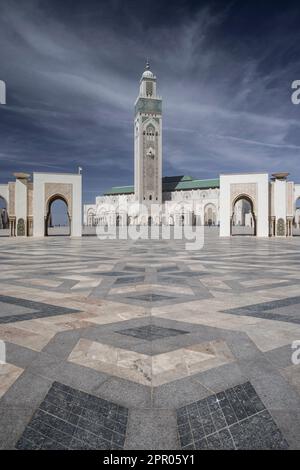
(243, 219)
(29, 202)
(253, 189)
(52, 227)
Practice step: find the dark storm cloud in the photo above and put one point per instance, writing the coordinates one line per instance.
(72, 71)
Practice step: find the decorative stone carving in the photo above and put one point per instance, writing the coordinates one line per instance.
(244, 189)
(11, 208)
(144, 105)
(150, 176)
(30, 199)
(271, 198)
(58, 189)
(280, 228)
(290, 199)
(21, 228)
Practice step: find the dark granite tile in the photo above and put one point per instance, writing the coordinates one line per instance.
(201, 445)
(40, 310)
(70, 418)
(233, 419)
(214, 442)
(219, 420)
(151, 332)
(226, 439)
(189, 447)
(267, 310)
(24, 444)
(129, 280)
(150, 297)
(186, 439)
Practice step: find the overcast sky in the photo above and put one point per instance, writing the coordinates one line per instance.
(72, 70)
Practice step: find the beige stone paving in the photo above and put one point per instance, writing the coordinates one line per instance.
(292, 375)
(151, 370)
(8, 375)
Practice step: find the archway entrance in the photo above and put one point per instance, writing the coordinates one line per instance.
(91, 222)
(4, 220)
(210, 215)
(296, 221)
(57, 222)
(243, 220)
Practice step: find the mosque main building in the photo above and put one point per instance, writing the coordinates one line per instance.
(251, 202)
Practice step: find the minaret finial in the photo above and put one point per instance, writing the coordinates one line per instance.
(147, 64)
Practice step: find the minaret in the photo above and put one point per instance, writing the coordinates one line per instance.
(148, 141)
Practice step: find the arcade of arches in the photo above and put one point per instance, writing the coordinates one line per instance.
(244, 204)
(248, 204)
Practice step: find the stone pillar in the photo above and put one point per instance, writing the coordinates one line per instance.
(289, 227)
(273, 226)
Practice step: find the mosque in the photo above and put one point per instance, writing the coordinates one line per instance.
(238, 204)
(249, 204)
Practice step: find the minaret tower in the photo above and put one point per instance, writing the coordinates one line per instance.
(148, 141)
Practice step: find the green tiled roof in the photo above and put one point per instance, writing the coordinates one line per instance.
(120, 190)
(172, 183)
(191, 184)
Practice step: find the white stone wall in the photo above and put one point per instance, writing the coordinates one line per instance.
(21, 202)
(175, 204)
(280, 199)
(296, 192)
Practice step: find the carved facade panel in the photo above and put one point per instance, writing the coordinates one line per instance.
(30, 199)
(271, 199)
(58, 189)
(145, 105)
(150, 162)
(290, 199)
(12, 198)
(280, 228)
(21, 228)
(247, 189)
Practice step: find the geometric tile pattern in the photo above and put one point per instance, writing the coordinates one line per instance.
(8, 375)
(151, 332)
(150, 297)
(71, 419)
(287, 310)
(233, 419)
(29, 310)
(100, 316)
(151, 370)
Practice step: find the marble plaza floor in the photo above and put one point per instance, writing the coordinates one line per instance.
(144, 345)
